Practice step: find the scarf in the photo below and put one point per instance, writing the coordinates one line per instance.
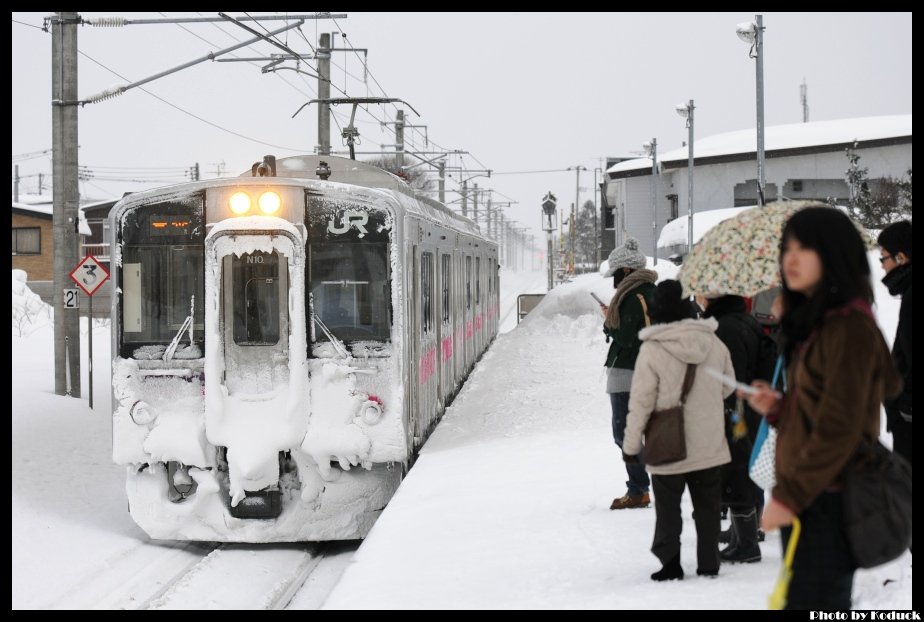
(632, 281)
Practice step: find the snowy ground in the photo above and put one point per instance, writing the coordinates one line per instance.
(506, 507)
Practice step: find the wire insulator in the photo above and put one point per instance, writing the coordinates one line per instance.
(107, 22)
(107, 94)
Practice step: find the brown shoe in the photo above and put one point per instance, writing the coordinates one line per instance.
(631, 501)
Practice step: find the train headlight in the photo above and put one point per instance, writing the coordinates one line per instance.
(239, 203)
(141, 413)
(269, 202)
(371, 412)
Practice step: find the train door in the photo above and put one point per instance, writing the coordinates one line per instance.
(478, 320)
(469, 315)
(444, 334)
(458, 315)
(254, 316)
(428, 377)
(414, 346)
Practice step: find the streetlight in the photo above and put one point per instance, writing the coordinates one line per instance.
(548, 208)
(652, 150)
(686, 111)
(753, 33)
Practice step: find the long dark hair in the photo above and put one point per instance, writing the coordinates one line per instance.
(845, 271)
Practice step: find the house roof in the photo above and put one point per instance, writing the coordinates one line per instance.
(45, 211)
(743, 143)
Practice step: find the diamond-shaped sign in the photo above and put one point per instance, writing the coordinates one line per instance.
(89, 275)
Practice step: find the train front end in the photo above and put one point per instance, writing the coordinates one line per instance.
(256, 390)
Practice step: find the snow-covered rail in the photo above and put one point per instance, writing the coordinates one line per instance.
(237, 576)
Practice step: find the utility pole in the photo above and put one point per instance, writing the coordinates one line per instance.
(66, 197)
(475, 205)
(16, 183)
(488, 214)
(194, 172)
(803, 97)
(653, 147)
(442, 181)
(323, 55)
(465, 198)
(399, 140)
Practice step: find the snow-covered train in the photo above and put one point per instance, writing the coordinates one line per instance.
(284, 343)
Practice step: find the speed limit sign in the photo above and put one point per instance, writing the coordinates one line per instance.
(89, 275)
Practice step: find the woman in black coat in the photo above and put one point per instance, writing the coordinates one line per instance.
(742, 335)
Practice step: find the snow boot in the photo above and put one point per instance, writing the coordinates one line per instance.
(672, 570)
(745, 549)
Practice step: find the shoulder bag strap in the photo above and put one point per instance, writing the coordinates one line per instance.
(687, 382)
(641, 299)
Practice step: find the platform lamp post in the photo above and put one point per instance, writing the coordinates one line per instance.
(686, 111)
(549, 203)
(652, 150)
(753, 33)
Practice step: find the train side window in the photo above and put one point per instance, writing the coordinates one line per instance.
(426, 291)
(477, 280)
(468, 282)
(445, 283)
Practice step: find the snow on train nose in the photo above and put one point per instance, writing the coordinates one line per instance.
(256, 380)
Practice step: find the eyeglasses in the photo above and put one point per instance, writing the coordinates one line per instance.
(884, 257)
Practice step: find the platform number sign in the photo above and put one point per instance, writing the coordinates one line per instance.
(71, 298)
(89, 275)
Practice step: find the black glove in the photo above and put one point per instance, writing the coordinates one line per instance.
(630, 459)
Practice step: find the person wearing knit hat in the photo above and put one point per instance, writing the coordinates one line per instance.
(625, 256)
(625, 316)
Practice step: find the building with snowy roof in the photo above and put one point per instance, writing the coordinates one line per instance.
(33, 241)
(803, 161)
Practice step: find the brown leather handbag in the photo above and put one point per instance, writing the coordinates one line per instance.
(665, 440)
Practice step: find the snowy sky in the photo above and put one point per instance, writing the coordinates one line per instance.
(520, 92)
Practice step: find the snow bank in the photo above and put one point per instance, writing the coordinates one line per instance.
(29, 312)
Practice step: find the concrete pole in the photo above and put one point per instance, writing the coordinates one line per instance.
(323, 55)
(465, 198)
(475, 204)
(759, 47)
(66, 197)
(690, 180)
(442, 182)
(654, 202)
(488, 214)
(16, 184)
(399, 140)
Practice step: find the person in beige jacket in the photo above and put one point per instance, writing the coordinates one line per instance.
(675, 340)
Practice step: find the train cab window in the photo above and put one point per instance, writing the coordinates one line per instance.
(477, 280)
(161, 276)
(349, 270)
(445, 282)
(426, 292)
(255, 283)
(468, 282)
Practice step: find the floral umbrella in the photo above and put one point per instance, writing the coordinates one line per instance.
(741, 255)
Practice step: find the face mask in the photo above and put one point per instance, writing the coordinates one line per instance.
(618, 277)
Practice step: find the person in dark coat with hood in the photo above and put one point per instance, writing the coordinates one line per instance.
(741, 334)
(895, 256)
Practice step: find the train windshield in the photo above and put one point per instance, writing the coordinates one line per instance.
(349, 272)
(161, 277)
